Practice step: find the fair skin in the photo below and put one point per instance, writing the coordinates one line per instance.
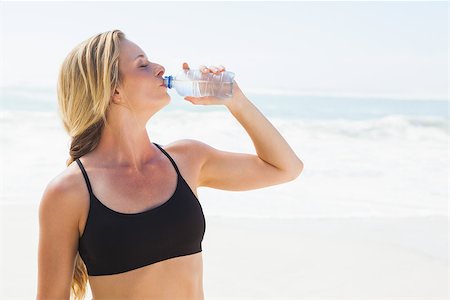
(129, 174)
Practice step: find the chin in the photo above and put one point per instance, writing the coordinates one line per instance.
(158, 98)
(167, 96)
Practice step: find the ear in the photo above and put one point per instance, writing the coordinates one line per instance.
(116, 96)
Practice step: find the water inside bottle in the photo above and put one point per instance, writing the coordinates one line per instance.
(202, 88)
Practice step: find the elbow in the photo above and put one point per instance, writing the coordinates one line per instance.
(299, 170)
(296, 170)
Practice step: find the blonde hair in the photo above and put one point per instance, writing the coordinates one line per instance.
(86, 81)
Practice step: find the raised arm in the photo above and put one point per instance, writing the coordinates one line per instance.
(238, 171)
(58, 240)
(274, 163)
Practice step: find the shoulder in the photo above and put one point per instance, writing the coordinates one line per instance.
(192, 150)
(61, 196)
(66, 183)
(190, 156)
(58, 234)
(190, 146)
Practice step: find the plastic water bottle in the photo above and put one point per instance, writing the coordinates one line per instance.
(195, 83)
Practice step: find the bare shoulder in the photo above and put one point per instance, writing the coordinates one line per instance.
(192, 152)
(195, 149)
(62, 195)
(190, 156)
(59, 212)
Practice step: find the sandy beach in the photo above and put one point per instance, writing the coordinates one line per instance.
(358, 225)
(378, 258)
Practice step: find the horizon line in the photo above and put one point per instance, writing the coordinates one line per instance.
(275, 92)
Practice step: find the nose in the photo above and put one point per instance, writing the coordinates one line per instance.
(161, 71)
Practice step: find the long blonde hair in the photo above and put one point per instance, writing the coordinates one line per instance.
(86, 81)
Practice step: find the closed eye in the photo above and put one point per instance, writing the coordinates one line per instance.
(144, 66)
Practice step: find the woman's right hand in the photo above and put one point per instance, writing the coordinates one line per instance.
(233, 101)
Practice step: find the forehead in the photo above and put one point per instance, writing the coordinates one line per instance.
(129, 51)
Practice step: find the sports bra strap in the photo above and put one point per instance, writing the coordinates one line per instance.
(86, 178)
(171, 159)
(88, 183)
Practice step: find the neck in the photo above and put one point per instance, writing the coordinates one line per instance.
(125, 143)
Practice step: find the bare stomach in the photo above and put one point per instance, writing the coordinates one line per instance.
(175, 278)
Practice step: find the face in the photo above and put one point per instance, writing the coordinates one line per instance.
(140, 89)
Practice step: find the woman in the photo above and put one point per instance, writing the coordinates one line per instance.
(126, 214)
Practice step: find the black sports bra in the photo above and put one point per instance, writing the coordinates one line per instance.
(115, 242)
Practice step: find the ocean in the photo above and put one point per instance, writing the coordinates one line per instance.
(363, 157)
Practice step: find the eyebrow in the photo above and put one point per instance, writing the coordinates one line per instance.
(140, 55)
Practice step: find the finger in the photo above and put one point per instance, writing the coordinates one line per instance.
(185, 66)
(221, 68)
(204, 69)
(214, 69)
(195, 100)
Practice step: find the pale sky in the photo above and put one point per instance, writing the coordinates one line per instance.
(375, 48)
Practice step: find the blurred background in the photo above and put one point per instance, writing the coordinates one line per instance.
(358, 89)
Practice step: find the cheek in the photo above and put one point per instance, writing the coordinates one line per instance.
(136, 84)
(142, 89)
(142, 84)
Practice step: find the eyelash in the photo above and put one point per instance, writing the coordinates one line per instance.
(144, 66)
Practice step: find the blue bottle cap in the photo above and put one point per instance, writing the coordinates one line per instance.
(168, 81)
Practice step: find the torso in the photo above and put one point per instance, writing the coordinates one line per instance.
(176, 278)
